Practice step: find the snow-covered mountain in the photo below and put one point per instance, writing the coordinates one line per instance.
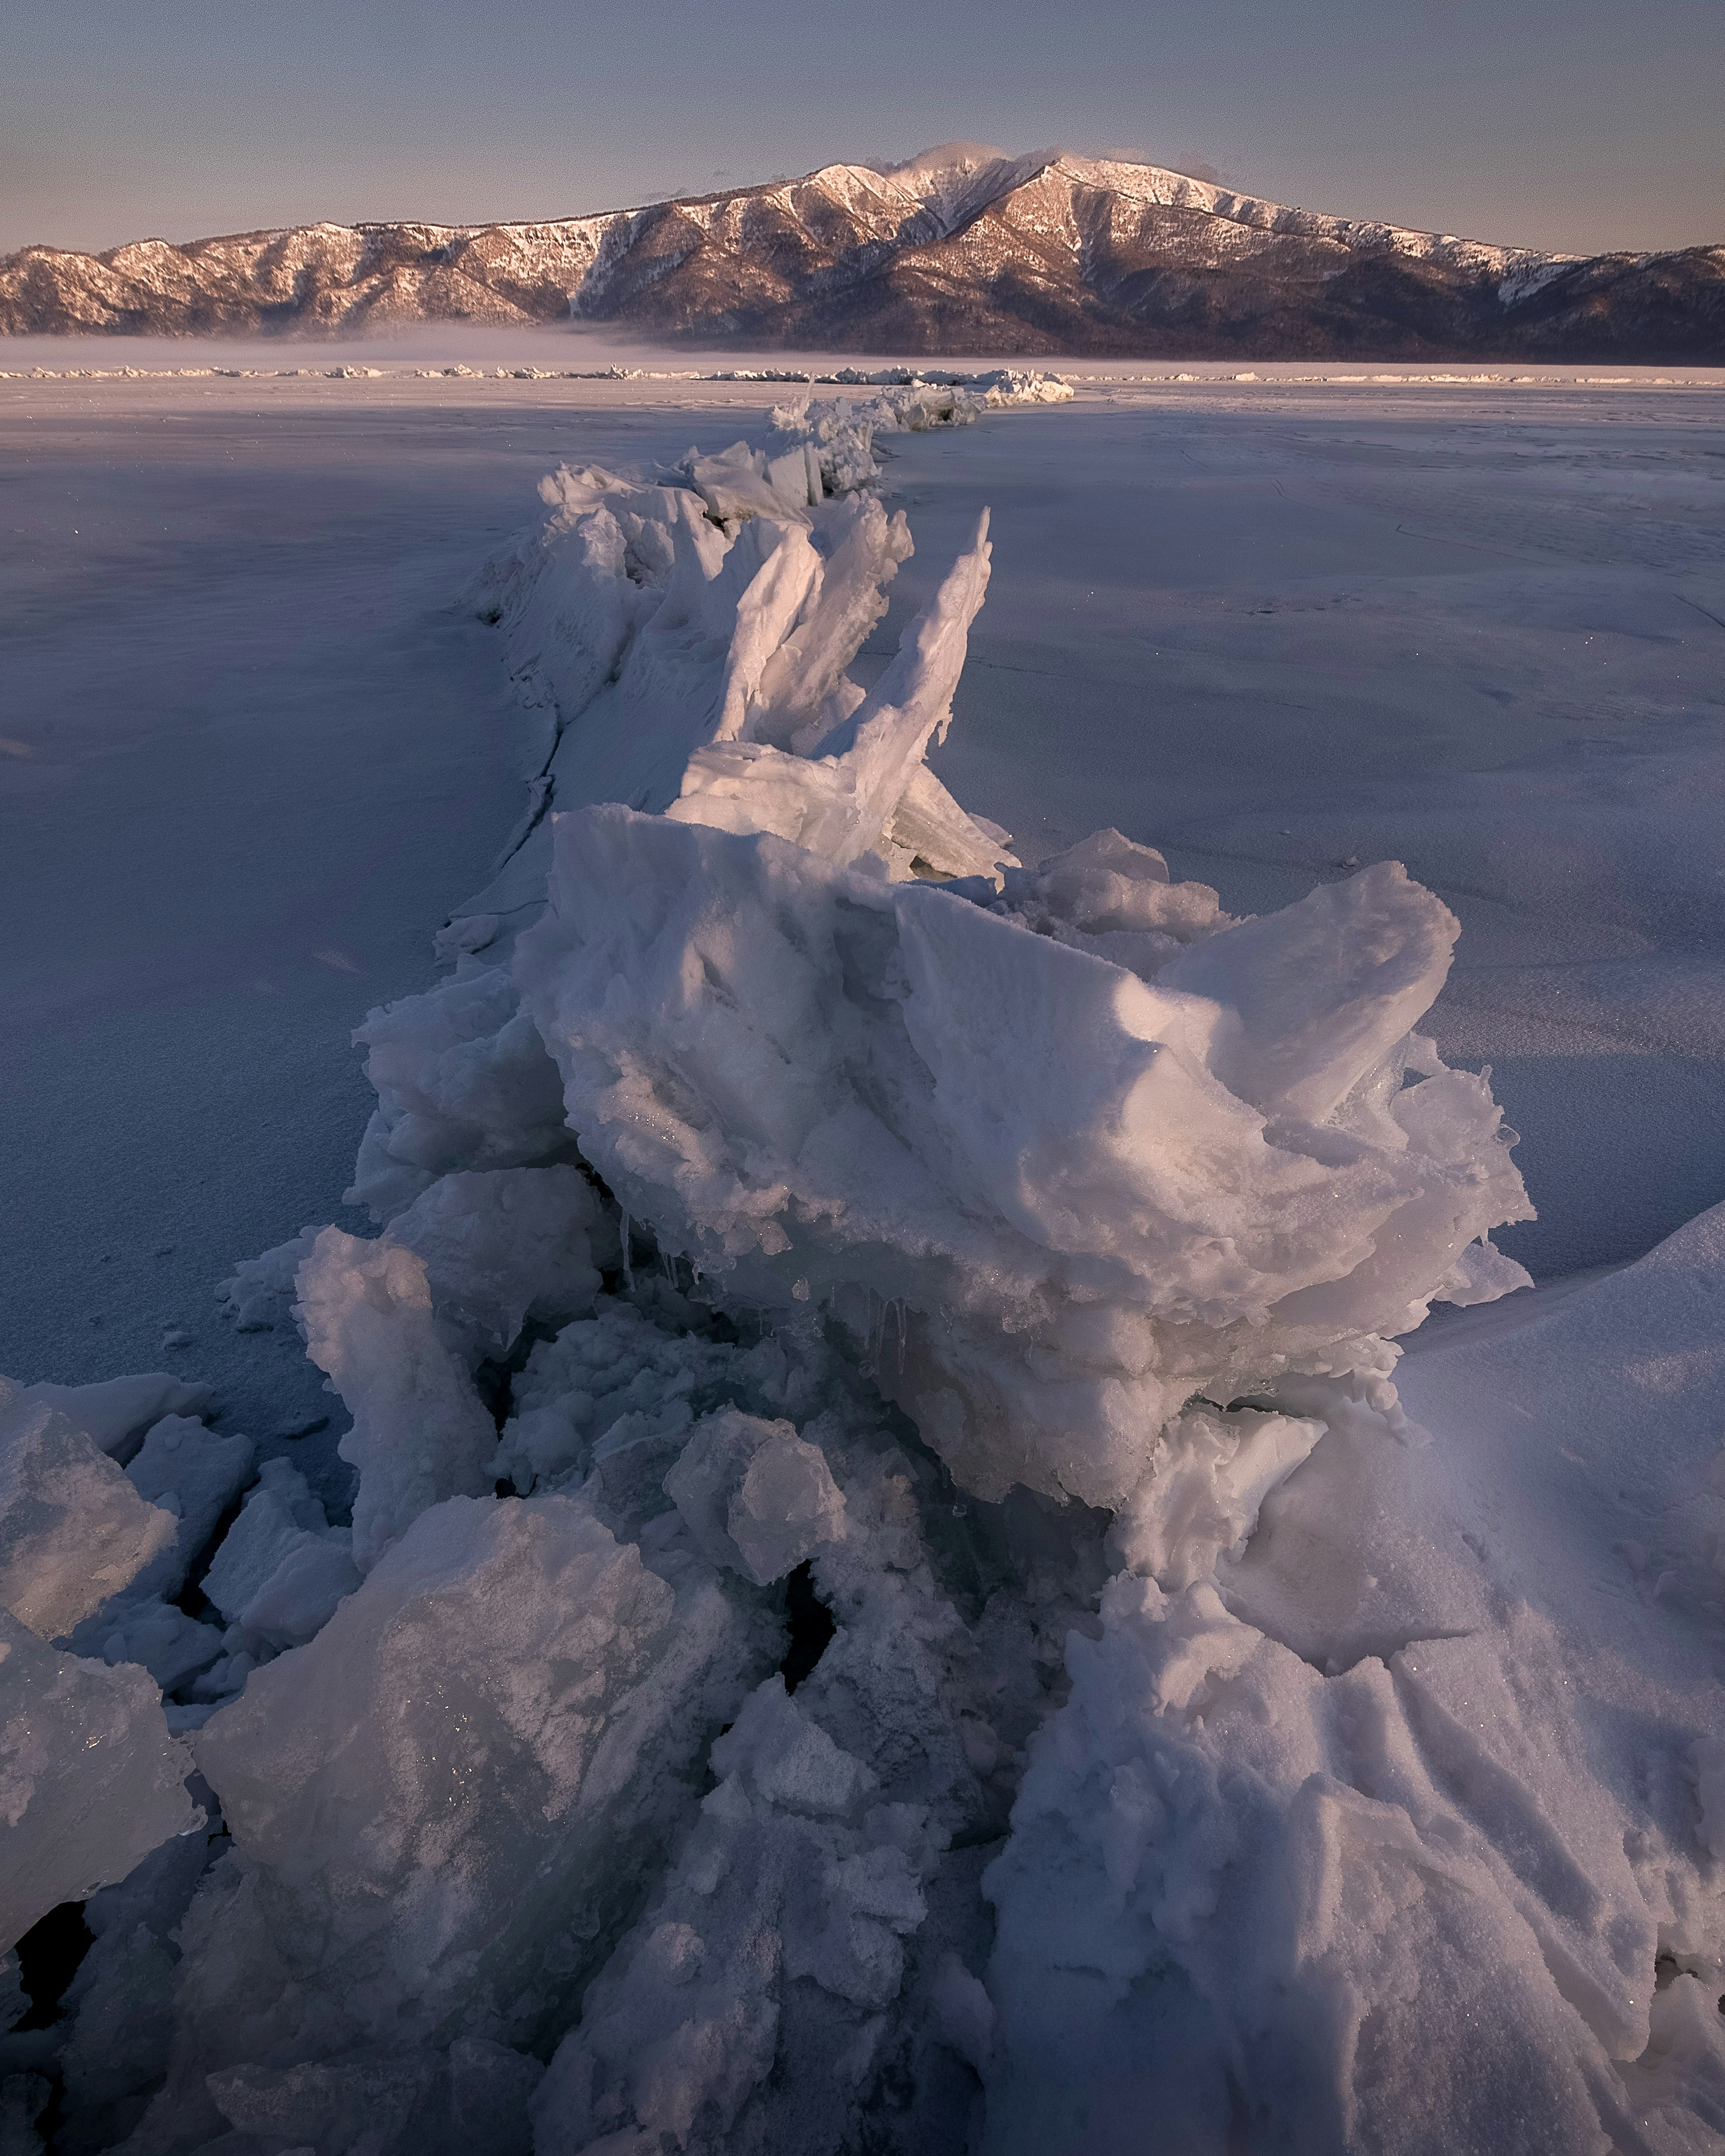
(963, 249)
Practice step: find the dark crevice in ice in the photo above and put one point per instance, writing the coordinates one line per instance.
(47, 1958)
(985, 1834)
(810, 1623)
(191, 1598)
(539, 793)
(46, 2120)
(542, 787)
(494, 1380)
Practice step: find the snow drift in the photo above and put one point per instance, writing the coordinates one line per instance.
(889, 1599)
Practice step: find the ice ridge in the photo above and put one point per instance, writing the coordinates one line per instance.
(1008, 1261)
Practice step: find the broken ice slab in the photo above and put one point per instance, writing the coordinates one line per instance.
(115, 1413)
(91, 1781)
(73, 1530)
(482, 1745)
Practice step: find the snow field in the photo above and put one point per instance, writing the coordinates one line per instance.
(893, 1598)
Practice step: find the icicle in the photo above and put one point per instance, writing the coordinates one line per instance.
(629, 1271)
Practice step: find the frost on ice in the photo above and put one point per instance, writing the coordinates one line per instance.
(890, 1598)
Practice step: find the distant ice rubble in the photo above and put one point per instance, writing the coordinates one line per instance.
(807, 1668)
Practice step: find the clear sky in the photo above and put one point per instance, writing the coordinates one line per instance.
(1591, 124)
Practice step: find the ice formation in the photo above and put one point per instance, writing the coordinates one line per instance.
(90, 1779)
(826, 1089)
(890, 1601)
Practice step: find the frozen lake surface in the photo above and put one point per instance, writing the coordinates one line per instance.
(1482, 634)
(255, 752)
(252, 753)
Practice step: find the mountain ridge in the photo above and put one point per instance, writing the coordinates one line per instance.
(963, 249)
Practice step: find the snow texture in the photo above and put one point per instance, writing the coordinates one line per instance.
(901, 1591)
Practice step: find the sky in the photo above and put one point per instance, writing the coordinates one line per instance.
(1577, 128)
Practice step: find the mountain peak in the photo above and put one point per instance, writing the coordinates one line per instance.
(963, 249)
(947, 157)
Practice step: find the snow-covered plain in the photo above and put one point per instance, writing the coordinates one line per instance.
(978, 1653)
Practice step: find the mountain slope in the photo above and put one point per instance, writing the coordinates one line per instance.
(962, 249)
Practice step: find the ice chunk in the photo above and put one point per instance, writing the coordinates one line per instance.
(1200, 1496)
(478, 1752)
(73, 1530)
(694, 669)
(89, 1780)
(572, 595)
(787, 1506)
(839, 804)
(775, 598)
(419, 1432)
(772, 1991)
(820, 1087)
(756, 1497)
(790, 1874)
(196, 1475)
(301, 1595)
(617, 1380)
(1315, 997)
(1481, 1273)
(462, 1082)
(803, 682)
(842, 434)
(499, 1247)
(258, 1295)
(120, 2001)
(928, 834)
(740, 482)
(598, 1372)
(1110, 896)
(791, 1760)
(685, 658)
(114, 1413)
(279, 1515)
(172, 1646)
